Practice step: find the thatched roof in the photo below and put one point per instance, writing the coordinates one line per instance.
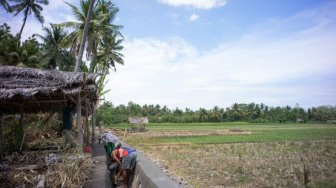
(42, 90)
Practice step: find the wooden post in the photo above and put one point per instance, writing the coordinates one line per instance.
(21, 126)
(2, 149)
(93, 122)
(79, 121)
(86, 133)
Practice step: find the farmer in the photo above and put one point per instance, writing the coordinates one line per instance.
(114, 167)
(126, 158)
(67, 122)
(109, 141)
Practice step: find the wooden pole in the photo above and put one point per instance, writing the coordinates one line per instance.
(124, 135)
(93, 121)
(21, 126)
(86, 133)
(79, 121)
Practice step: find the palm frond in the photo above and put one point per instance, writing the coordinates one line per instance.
(72, 25)
(77, 13)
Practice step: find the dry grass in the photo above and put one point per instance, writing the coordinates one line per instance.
(70, 170)
(69, 167)
(268, 164)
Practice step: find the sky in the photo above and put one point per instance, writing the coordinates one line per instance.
(206, 53)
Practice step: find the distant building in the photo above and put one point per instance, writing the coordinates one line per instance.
(138, 123)
(299, 120)
(331, 121)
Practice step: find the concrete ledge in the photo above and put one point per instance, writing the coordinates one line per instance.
(148, 175)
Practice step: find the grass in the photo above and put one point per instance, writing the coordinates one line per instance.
(263, 164)
(264, 136)
(249, 133)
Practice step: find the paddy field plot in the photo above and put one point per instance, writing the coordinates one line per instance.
(242, 154)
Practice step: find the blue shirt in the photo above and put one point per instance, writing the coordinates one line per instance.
(67, 118)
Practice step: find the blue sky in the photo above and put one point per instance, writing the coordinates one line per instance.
(205, 53)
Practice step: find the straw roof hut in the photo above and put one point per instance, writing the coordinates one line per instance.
(28, 90)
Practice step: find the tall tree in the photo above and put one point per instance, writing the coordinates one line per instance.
(77, 69)
(103, 42)
(100, 26)
(90, 32)
(12, 54)
(8, 46)
(108, 56)
(85, 34)
(29, 7)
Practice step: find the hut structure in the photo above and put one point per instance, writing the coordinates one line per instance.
(138, 123)
(28, 90)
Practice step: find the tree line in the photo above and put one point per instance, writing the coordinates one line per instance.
(252, 112)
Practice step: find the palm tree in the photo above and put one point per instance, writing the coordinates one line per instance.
(215, 114)
(12, 54)
(203, 115)
(5, 5)
(53, 51)
(77, 69)
(89, 30)
(85, 33)
(108, 55)
(28, 7)
(100, 26)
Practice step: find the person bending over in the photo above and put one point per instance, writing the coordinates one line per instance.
(126, 158)
(109, 141)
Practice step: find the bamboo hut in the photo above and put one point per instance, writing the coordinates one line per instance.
(28, 90)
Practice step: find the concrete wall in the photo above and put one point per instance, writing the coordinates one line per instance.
(148, 175)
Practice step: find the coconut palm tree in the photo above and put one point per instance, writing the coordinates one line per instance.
(11, 54)
(85, 33)
(53, 52)
(29, 7)
(101, 26)
(108, 55)
(89, 30)
(5, 5)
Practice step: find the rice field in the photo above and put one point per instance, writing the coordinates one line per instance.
(243, 155)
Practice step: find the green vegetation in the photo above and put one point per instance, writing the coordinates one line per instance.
(274, 135)
(252, 113)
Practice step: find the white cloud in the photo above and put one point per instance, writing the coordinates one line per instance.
(173, 73)
(296, 67)
(200, 4)
(193, 17)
